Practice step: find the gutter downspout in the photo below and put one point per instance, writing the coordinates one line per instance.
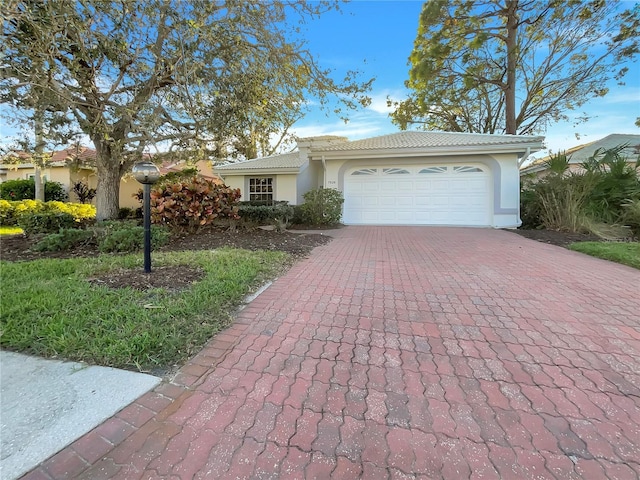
(324, 172)
(528, 152)
(526, 155)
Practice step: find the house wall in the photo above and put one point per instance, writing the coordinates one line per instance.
(235, 181)
(310, 177)
(506, 212)
(20, 174)
(285, 186)
(52, 174)
(128, 187)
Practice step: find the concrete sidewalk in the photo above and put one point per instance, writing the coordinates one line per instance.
(400, 352)
(47, 404)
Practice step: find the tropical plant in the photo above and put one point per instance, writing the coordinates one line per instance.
(557, 164)
(191, 204)
(84, 193)
(616, 182)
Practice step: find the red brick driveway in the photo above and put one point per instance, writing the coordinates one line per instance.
(401, 353)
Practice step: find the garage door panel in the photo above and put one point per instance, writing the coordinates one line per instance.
(445, 195)
(370, 187)
(404, 201)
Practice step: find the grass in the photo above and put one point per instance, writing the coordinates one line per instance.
(10, 230)
(627, 253)
(51, 310)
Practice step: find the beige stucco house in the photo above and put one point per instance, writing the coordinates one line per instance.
(580, 153)
(406, 178)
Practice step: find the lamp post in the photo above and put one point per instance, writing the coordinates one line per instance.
(147, 174)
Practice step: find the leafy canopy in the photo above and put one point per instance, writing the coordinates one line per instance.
(219, 77)
(514, 66)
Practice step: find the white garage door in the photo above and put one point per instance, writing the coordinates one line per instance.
(418, 195)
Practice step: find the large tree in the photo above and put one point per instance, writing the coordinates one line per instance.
(514, 66)
(180, 73)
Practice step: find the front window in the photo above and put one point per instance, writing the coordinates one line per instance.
(261, 189)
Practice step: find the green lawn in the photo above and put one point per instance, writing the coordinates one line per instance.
(625, 253)
(51, 310)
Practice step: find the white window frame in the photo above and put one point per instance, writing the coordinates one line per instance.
(261, 189)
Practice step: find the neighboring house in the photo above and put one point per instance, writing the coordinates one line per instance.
(66, 166)
(579, 154)
(75, 164)
(406, 178)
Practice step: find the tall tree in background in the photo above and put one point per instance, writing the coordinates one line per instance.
(514, 66)
(181, 73)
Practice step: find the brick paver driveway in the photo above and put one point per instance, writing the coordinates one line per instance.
(401, 353)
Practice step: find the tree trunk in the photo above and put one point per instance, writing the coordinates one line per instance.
(39, 151)
(108, 193)
(510, 89)
(108, 187)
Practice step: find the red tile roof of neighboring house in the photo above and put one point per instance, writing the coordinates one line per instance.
(83, 154)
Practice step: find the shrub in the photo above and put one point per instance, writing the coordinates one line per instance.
(45, 222)
(192, 203)
(616, 184)
(322, 206)
(27, 206)
(8, 213)
(54, 191)
(83, 192)
(631, 215)
(18, 190)
(124, 213)
(65, 239)
(82, 212)
(562, 201)
(12, 211)
(126, 237)
(266, 215)
(529, 205)
(26, 190)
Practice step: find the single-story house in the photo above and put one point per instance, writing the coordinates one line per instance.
(75, 164)
(406, 178)
(580, 153)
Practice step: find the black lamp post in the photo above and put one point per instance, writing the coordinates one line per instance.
(147, 174)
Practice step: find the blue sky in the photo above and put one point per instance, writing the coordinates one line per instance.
(376, 37)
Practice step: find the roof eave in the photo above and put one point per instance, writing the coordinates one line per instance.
(429, 151)
(258, 171)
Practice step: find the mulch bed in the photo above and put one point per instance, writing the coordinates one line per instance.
(553, 237)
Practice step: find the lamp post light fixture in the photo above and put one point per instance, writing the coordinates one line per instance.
(147, 174)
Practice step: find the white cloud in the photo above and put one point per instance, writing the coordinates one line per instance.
(627, 94)
(354, 130)
(379, 100)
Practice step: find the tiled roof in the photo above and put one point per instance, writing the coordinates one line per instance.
(431, 139)
(84, 154)
(580, 153)
(285, 160)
